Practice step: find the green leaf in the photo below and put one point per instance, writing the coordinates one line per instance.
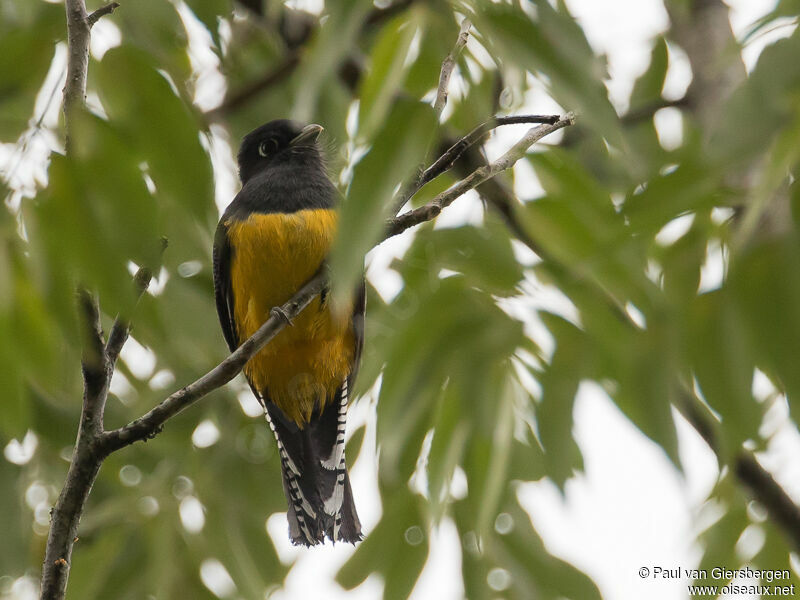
(723, 363)
(167, 139)
(396, 151)
(765, 286)
(555, 46)
(578, 226)
(768, 97)
(401, 528)
(450, 437)
(533, 570)
(20, 86)
(560, 381)
(437, 37)
(482, 254)
(15, 516)
(388, 69)
(644, 148)
(209, 12)
(354, 444)
(645, 368)
(479, 101)
(693, 185)
(784, 8)
(682, 262)
(777, 553)
(647, 89)
(95, 217)
(156, 28)
(333, 41)
(15, 416)
(94, 560)
(719, 540)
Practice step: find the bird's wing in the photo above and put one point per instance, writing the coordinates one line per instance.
(223, 291)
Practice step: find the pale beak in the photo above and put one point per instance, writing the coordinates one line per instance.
(308, 135)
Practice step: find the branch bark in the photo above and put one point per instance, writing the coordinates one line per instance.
(434, 207)
(759, 482)
(78, 35)
(457, 149)
(95, 366)
(448, 65)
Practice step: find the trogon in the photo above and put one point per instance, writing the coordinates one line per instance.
(271, 239)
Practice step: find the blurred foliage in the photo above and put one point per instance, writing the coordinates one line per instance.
(454, 366)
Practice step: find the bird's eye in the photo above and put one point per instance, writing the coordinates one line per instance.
(268, 147)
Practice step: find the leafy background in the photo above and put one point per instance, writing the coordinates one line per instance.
(464, 399)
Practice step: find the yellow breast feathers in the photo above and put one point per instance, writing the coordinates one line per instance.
(272, 256)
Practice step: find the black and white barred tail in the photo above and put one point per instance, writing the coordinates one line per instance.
(315, 478)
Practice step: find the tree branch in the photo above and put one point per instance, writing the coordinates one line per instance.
(412, 185)
(78, 33)
(448, 65)
(771, 495)
(92, 333)
(96, 368)
(102, 12)
(121, 327)
(478, 176)
(457, 149)
(760, 482)
(86, 461)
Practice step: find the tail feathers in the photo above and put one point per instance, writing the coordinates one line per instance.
(315, 478)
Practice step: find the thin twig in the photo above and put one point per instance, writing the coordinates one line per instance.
(120, 330)
(412, 185)
(770, 495)
(496, 195)
(102, 12)
(92, 340)
(646, 112)
(78, 32)
(757, 479)
(456, 150)
(517, 151)
(448, 65)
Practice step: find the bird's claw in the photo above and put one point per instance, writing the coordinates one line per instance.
(281, 314)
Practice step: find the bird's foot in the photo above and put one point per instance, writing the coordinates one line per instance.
(281, 314)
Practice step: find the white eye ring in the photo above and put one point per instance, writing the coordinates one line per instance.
(265, 148)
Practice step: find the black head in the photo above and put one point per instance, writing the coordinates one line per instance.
(278, 142)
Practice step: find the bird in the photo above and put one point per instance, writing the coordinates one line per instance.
(271, 239)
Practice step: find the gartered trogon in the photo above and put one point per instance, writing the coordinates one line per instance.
(270, 240)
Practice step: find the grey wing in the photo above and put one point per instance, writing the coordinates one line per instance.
(223, 290)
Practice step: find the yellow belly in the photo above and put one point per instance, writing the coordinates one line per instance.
(272, 256)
